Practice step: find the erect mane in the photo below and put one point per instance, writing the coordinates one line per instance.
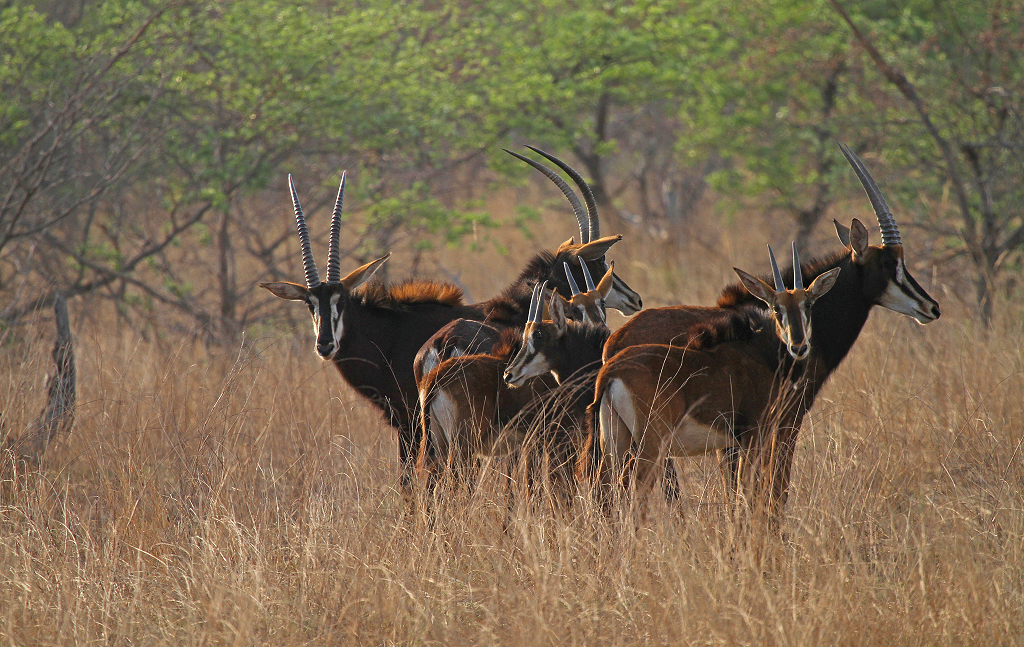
(735, 295)
(514, 301)
(733, 326)
(589, 334)
(408, 293)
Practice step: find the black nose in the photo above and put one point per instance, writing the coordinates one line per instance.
(325, 350)
(800, 350)
(507, 377)
(935, 311)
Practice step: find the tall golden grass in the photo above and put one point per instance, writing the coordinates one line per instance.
(245, 496)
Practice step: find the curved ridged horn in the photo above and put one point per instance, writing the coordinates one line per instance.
(573, 288)
(334, 254)
(798, 275)
(890, 232)
(574, 200)
(312, 277)
(779, 285)
(534, 303)
(586, 275)
(588, 193)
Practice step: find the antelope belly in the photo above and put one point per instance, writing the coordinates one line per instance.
(693, 438)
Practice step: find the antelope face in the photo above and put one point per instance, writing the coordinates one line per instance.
(593, 247)
(886, 281)
(540, 338)
(589, 307)
(618, 295)
(791, 309)
(532, 359)
(326, 303)
(326, 300)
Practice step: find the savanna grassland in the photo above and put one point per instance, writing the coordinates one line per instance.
(244, 495)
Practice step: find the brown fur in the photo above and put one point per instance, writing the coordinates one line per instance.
(413, 292)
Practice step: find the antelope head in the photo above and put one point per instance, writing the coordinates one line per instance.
(592, 247)
(883, 271)
(791, 309)
(589, 307)
(540, 338)
(327, 299)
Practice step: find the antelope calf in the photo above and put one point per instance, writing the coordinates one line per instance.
(736, 385)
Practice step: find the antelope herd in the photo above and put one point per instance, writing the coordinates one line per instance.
(460, 382)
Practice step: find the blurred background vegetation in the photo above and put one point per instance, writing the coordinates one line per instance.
(142, 142)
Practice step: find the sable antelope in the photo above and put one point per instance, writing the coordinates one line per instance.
(737, 385)
(510, 308)
(371, 332)
(872, 275)
(467, 403)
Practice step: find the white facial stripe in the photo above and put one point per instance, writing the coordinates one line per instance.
(336, 318)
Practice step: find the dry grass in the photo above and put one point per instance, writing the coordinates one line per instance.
(246, 497)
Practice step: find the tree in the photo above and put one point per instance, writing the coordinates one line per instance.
(961, 77)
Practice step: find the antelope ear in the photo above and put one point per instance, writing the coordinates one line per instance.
(362, 274)
(822, 284)
(289, 291)
(756, 286)
(595, 249)
(569, 244)
(843, 232)
(557, 311)
(604, 286)
(858, 239)
(553, 296)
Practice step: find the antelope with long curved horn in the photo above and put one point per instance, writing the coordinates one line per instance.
(871, 275)
(510, 307)
(371, 332)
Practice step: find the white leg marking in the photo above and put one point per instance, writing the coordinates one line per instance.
(692, 438)
(622, 404)
(444, 413)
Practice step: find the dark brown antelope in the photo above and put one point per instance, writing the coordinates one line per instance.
(371, 332)
(468, 402)
(872, 275)
(738, 384)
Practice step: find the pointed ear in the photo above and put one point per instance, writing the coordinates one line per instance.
(552, 296)
(595, 249)
(604, 286)
(843, 232)
(361, 275)
(565, 246)
(557, 307)
(858, 239)
(822, 284)
(289, 291)
(756, 286)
